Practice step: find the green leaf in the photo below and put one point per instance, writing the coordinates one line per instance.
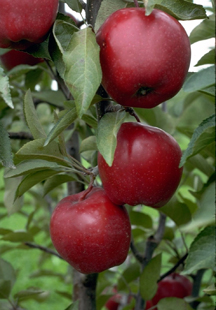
(200, 80)
(88, 144)
(5, 89)
(82, 68)
(149, 277)
(62, 33)
(31, 117)
(106, 9)
(210, 290)
(36, 150)
(30, 293)
(67, 119)
(202, 251)
(208, 58)
(200, 139)
(181, 9)
(177, 211)
(205, 30)
(171, 303)
(57, 180)
(106, 134)
(53, 97)
(33, 179)
(20, 70)
(30, 166)
(7, 278)
(73, 306)
(158, 118)
(140, 219)
(40, 50)
(131, 273)
(205, 214)
(18, 236)
(11, 205)
(74, 5)
(5, 148)
(149, 5)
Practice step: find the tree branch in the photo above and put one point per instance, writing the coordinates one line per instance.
(92, 8)
(151, 244)
(20, 135)
(42, 248)
(181, 261)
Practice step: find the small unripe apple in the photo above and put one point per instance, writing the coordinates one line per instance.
(90, 232)
(145, 169)
(24, 22)
(144, 59)
(14, 58)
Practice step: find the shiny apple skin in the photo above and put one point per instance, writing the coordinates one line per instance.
(14, 58)
(174, 285)
(139, 51)
(91, 234)
(24, 22)
(145, 169)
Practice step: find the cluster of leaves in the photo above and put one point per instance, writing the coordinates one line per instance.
(37, 168)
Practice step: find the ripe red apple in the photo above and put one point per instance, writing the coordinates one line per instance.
(113, 302)
(144, 59)
(91, 233)
(145, 169)
(24, 22)
(14, 58)
(174, 285)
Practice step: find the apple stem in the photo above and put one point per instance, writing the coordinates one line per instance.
(87, 191)
(132, 113)
(136, 3)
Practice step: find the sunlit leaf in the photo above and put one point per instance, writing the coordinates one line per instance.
(82, 68)
(5, 89)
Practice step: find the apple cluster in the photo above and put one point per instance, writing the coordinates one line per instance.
(144, 61)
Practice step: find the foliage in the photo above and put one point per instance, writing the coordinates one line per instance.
(36, 168)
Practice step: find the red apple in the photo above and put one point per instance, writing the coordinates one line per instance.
(174, 285)
(144, 59)
(14, 58)
(148, 305)
(113, 302)
(90, 233)
(145, 169)
(24, 22)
